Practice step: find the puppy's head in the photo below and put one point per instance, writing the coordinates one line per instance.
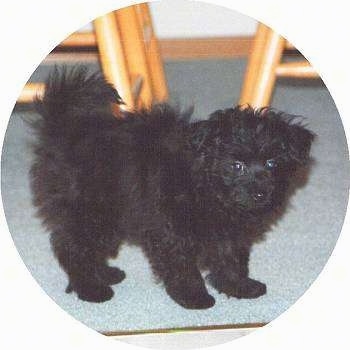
(245, 158)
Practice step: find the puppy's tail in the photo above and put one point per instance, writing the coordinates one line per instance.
(74, 100)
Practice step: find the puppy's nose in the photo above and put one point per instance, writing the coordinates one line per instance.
(259, 196)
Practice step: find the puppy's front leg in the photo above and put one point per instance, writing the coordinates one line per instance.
(173, 261)
(229, 272)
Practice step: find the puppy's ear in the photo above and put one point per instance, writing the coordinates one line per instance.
(298, 143)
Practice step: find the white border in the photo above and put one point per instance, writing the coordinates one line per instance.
(30, 30)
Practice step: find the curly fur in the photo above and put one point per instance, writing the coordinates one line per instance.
(194, 196)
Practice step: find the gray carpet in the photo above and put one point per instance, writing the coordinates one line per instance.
(289, 260)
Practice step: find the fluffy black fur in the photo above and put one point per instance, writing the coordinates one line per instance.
(194, 196)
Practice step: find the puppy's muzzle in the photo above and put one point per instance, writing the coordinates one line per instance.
(252, 197)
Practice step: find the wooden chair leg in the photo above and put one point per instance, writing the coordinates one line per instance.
(30, 92)
(135, 52)
(155, 64)
(261, 70)
(249, 81)
(112, 58)
(129, 56)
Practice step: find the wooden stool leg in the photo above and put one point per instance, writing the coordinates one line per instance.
(135, 52)
(261, 70)
(112, 57)
(155, 64)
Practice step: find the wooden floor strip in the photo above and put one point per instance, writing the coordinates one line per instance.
(185, 329)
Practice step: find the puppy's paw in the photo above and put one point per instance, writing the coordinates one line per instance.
(247, 288)
(91, 293)
(191, 299)
(112, 275)
(97, 295)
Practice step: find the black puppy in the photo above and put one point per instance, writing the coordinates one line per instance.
(193, 196)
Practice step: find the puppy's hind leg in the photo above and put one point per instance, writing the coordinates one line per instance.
(84, 262)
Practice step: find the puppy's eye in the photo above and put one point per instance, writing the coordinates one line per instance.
(237, 165)
(271, 164)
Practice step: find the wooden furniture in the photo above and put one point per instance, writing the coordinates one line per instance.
(129, 56)
(265, 65)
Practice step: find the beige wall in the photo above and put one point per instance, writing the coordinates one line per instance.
(174, 19)
(189, 19)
